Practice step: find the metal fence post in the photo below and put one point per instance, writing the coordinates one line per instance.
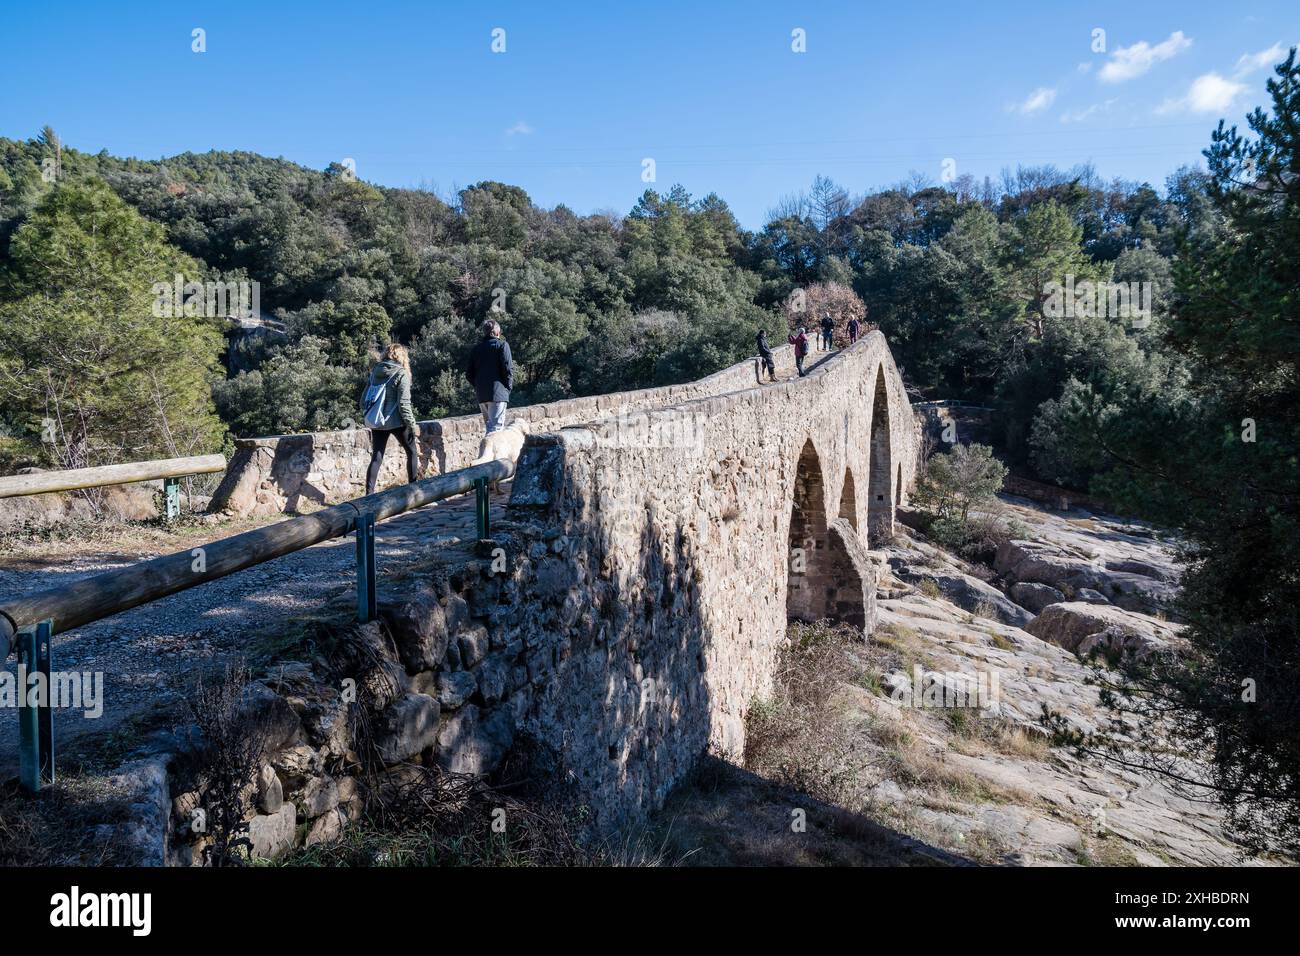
(481, 507)
(172, 492)
(366, 609)
(35, 723)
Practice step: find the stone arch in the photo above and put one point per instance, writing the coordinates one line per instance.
(880, 491)
(849, 500)
(828, 568)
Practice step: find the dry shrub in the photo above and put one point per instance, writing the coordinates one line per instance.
(227, 755)
(799, 736)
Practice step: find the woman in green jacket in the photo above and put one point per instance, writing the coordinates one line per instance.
(387, 407)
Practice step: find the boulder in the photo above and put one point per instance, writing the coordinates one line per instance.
(297, 764)
(145, 788)
(406, 727)
(272, 833)
(270, 792)
(1034, 596)
(270, 714)
(454, 688)
(1137, 592)
(325, 829)
(419, 628)
(320, 795)
(1022, 562)
(1072, 623)
(1166, 573)
(472, 741)
(1028, 561)
(1089, 596)
(494, 678)
(967, 592)
(325, 720)
(474, 644)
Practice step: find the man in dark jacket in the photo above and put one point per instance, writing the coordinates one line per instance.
(828, 332)
(765, 356)
(492, 373)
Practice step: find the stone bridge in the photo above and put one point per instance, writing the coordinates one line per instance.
(628, 610)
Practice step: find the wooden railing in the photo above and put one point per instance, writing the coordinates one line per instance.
(43, 482)
(27, 624)
(170, 470)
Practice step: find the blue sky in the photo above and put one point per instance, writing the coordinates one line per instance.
(713, 92)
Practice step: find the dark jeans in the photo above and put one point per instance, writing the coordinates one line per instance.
(378, 441)
(769, 366)
(798, 363)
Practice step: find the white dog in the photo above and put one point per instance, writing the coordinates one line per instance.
(502, 443)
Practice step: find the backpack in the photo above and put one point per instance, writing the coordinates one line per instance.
(373, 403)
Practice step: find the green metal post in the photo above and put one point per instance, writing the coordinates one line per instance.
(481, 507)
(366, 606)
(172, 492)
(35, 723)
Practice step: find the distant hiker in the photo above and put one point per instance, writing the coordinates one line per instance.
(854, 328)
(765, 357)
(492, 373)
(800, 342)
(386, 405)
(828, 332)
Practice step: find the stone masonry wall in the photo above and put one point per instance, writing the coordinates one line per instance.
(292, 473)
(644, 595)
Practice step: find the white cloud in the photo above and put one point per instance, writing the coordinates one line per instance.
(1250, 62)
(1078, 116)
(1038, 100)
(519, 129)
(1084, 67)
(1129, 62)
(1210, 93)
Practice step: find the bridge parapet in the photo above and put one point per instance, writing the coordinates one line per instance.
(292, 473)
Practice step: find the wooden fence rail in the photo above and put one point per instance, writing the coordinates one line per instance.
(111, 592)
(43, 482)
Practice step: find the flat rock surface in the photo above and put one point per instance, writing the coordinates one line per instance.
(1033, 804)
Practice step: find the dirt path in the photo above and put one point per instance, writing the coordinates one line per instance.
(148, 656)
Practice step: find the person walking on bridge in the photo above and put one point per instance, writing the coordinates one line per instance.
(765, 357)
(491, 371)
(386, 404)
(800, 342)
(854, 328)
(828, 332)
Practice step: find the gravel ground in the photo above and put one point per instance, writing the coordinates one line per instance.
(149, 656)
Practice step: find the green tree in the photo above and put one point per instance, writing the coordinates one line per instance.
(1220, 461)
(86, 359)
(957, 481)
(298, 388)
